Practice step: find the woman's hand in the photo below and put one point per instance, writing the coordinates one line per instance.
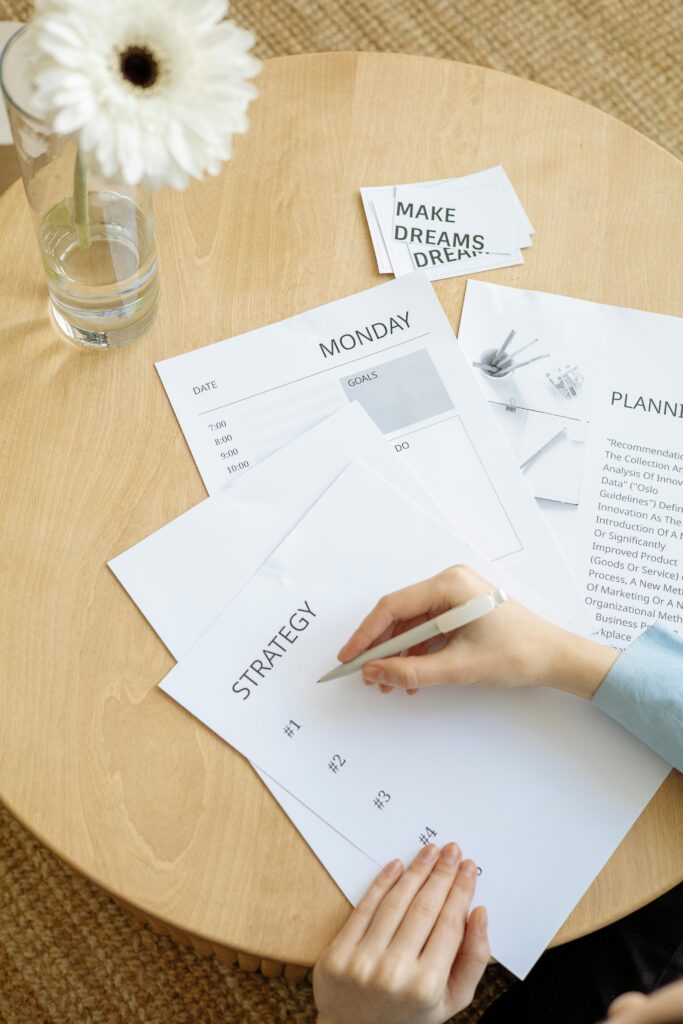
(663, 1006)
(510, 646)
(408, 954)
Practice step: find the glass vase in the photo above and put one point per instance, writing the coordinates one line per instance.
(96, 236)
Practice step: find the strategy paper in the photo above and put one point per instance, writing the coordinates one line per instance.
(183, 575)
(537, 786)
(392, 350)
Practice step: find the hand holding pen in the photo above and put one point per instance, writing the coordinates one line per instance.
(509, 647)
(441, 625)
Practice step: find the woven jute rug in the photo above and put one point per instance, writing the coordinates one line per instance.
(624, 56)
(68, 953)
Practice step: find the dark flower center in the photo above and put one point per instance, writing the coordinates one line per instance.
(139, 66)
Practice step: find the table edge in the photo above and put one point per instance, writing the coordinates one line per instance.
(111, 890)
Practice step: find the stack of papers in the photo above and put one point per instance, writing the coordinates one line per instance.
(348, 452)
(448, 227)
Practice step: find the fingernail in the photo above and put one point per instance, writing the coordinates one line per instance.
(375, 675)
(468, 869)
(483, 919)
(450, 854)
(393, 868)
(429, 853)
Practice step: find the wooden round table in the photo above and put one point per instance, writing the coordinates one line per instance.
(97, 762)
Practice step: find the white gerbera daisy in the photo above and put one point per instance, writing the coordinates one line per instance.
(153, 90)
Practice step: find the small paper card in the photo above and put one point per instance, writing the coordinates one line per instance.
(437, 263)
(468, 222)
(493, 178)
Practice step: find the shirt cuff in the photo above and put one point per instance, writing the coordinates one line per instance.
(643, 691)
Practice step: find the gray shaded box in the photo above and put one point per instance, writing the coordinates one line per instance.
(399, 392)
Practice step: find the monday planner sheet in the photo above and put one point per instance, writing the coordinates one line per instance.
(392, 350)
(537, 786)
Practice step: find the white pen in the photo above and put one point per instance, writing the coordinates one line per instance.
(452, 619)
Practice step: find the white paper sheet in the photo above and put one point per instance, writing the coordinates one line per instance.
(268, 386)
(182, 576)
(630, 516)
(537, 786)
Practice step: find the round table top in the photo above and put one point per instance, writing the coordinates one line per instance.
(95, 760)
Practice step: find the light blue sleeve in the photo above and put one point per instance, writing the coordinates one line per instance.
(643, 691)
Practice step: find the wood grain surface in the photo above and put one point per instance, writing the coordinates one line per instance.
(9, 167)
(103, 767)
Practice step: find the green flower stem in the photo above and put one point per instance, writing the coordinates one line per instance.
(81, 213)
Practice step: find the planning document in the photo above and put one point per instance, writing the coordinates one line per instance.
(538, 787)
(541, 361)
(392, 350)
(630, 516)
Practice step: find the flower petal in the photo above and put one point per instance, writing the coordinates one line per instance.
(70, 119)
(178, 128)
